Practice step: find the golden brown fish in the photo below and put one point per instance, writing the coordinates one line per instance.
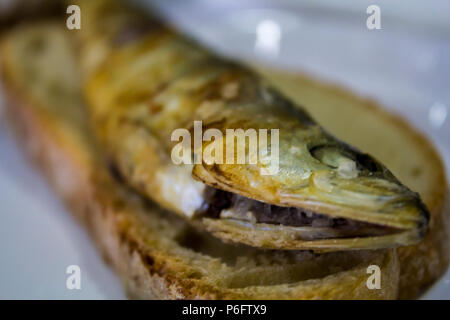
(151, 92)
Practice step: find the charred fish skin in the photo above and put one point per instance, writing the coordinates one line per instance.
(144, 87)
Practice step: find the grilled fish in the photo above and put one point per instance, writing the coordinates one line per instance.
(144, 81)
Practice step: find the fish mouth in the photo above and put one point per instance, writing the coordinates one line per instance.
(219, 204)
(309, 229)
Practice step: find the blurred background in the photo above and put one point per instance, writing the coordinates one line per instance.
(405, 65)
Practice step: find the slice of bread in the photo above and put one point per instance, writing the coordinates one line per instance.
(156, 254)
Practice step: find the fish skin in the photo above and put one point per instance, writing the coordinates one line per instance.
(144, 89)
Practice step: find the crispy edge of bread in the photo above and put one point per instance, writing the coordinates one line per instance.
(149, 272)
